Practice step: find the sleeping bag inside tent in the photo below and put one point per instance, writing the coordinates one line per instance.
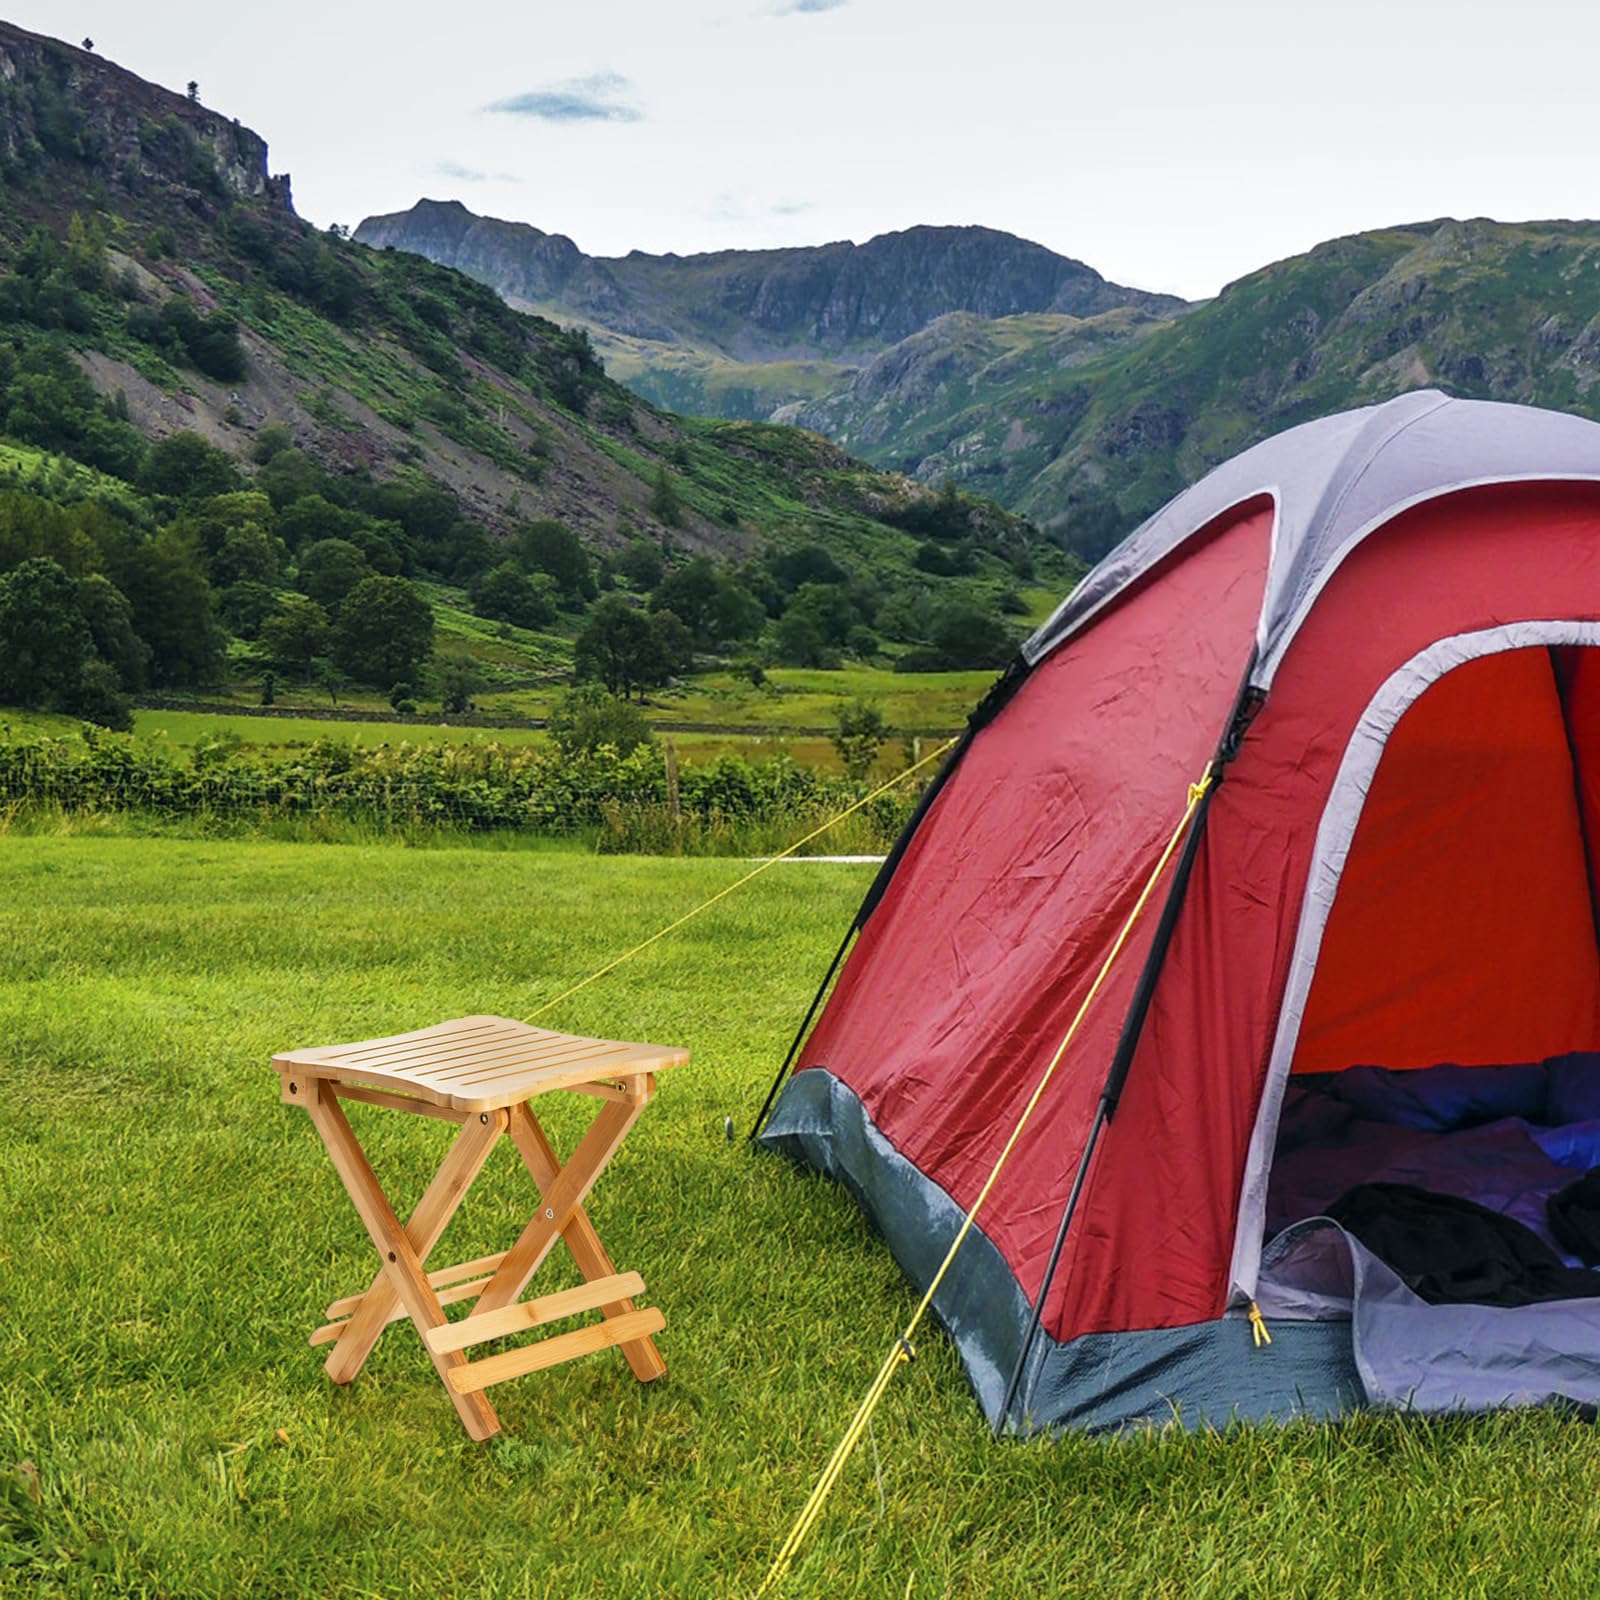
(1343, 1083)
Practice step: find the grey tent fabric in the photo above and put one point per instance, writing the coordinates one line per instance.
(1414, 1356)
(1333, 482)
(1205, 1374)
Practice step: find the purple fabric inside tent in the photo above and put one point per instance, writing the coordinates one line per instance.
(1507, 1137)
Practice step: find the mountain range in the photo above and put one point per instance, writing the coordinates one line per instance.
(1028, 377)
(738, 333)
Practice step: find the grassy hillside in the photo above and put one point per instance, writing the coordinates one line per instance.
(200, 392)
(1088, 448)
(1085, 418)
(174, 1233)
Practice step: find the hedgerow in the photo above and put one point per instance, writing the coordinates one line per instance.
(622, 802)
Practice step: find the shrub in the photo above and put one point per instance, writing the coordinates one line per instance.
(858, 735)
(587, 717)
(506, 594)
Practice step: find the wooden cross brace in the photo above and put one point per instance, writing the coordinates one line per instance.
(402, 1286)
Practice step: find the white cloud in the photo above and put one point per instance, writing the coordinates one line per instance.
(591, 99)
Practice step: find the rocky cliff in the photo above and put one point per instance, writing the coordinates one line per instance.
(57, 101)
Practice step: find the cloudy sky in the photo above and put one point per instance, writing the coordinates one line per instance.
(1171, 145)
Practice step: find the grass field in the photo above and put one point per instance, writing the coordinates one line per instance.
(172, 1232)
(792, 697)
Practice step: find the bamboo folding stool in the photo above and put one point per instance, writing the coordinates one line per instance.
(482, 1073)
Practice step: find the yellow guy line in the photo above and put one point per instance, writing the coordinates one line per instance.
(722, 894)
(902, 1350)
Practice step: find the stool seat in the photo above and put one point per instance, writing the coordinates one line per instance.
(479, 1063)
(484, 1074)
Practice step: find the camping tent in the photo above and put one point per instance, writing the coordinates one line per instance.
(1377, 959)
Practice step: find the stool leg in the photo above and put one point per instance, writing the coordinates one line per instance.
(404, 1268)
(580, 1236)
(458, 1170)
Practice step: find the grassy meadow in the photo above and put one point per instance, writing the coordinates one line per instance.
(172, 1233)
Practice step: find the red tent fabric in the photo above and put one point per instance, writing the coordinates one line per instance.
(1394, 868)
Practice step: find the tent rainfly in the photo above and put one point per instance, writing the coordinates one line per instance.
(1344, 1072)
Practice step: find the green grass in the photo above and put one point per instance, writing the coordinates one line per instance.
(799, 697)
(172, 1233)
(184, 728)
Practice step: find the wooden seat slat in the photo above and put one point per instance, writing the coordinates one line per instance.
(493, 1064)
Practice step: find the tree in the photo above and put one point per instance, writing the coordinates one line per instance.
(807, 563)
(829, 607)
(459, 680)
(193, 92)
(383, 631)
(665, 506)
(801, 643)
(967, 636)
(171, 601)
(327, 673)
(859, 733)
(98, 697)
(245, 608)
(185, 467)
(44, 640)
(272, 440)
(587, 717)
(963, 636)
(640, 563)
(907, 615)
(506, 594)
(312, 518)
(248, 555)
(294, 638)
(330, 569)
(47, 644)
(674, 645)
(403, 700)
(105, 609)
(626, 649)
(554, 548)
(710, 602)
